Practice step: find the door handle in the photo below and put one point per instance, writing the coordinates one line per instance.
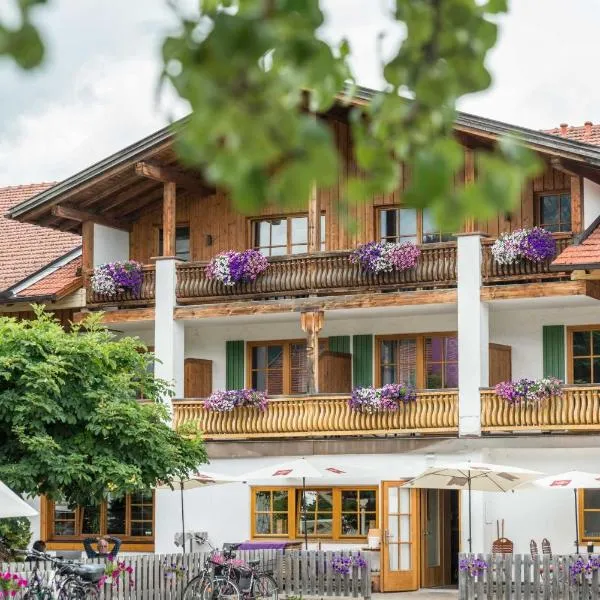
(386, 537)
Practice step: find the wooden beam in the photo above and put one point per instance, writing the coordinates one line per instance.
(81, 216)
(165, 174)
(115, 200)
(311, 323)
(470, 223)
(169, 218)
(87, 250)
(581, 275)
(577, 204)
(535, 290)
(125, 315)
(137, 203)
(559, 165)
(374, 300)
(314, 220)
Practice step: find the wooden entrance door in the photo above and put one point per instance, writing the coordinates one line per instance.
(400, 539)
(435, 534)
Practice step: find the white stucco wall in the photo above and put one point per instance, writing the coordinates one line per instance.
(110, 245)
(591, 202)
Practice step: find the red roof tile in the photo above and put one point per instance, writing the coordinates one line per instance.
(26, 248)
(58, 283)
(587, 133)
(585, 253)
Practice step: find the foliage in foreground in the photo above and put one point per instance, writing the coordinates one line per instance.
(70, 422)
(244, 65)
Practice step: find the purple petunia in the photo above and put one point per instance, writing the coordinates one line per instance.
(344, 564)
(472, 566)
(536, 245)
(387, 398)
(227, 400)
(117, 277)
(525, 390)
(236, 267)
(383, 257)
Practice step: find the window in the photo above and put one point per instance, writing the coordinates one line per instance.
(182, 242)
(427, 361)
(283, 235)
(129, 517)
(331, 512)
(280, 367)
(589, 513)
(584, 355)
(409, 225)
(554, 212)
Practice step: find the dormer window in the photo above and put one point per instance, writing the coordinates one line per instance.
(554, 212)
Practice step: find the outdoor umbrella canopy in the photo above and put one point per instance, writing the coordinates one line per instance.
(301, 469)
(12, 505)
(198, 479)
(571, 480)
(481, 477)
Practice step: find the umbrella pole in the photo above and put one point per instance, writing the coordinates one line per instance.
(576, 522)
(182, 517)
(470, 543)
(304, 512)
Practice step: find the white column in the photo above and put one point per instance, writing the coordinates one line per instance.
(473, 335)
(168, 333)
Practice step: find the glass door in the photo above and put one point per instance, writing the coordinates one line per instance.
(436, 536)
(400, 543)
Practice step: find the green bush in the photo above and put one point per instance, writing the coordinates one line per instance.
(17, 534)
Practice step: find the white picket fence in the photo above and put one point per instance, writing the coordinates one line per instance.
(297, 573)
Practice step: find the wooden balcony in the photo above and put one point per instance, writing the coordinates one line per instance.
(325, 273)
(522, 271)
(433, 412)
(144, 298)
(577, 410)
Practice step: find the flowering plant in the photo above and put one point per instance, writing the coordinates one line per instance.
(115, 571)
(227, 400)
(10, 584)
(473, 566)
(387, 398)
(536, 245)
(344, 564)
(382, 257)
(219, 559)
(173, 570)
(236, 267)
(117, 277)
(583, 568)
(528, 390)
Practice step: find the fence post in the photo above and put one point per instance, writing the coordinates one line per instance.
(517, 576)
(462, 580)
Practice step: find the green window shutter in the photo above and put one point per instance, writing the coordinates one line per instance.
(340, 343)
(234, 365)
(362, 360)
(554, 351)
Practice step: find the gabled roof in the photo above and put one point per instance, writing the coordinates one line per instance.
(583, 254)
(588, 133)
(25, 249)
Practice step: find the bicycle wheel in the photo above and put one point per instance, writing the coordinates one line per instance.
(265, 588)
(221, 588)
(194, 590)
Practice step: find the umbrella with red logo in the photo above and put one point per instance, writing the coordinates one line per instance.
(300, 469)
(571, 480)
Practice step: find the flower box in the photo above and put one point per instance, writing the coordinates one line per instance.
(528, 391)
(231, 268)
(387, 398)
(227, 400)
(535, 245)
(384, 257)
(111, 279)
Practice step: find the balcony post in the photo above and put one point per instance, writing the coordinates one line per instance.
(169, 218)
(311, 323)
(314, 220)
(473, 335)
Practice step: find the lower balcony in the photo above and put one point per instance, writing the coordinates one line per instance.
(145, 297)
(577, 410)
(433, 412)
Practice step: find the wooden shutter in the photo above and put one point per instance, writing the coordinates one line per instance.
(362, 360)
(554, 351)
(197, 381)
(339, 343)
(500, 364)
(335, 372)
(234, 365)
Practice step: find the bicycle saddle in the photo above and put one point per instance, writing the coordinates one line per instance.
(254, 562)
(91, 573)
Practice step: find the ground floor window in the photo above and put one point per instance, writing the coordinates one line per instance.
(334, 513)
(589, 513)
(130, 518)
(584, 354)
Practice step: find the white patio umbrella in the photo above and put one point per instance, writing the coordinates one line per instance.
(12, 505)
(571, 480)
(481, 477)
(198, 479)
(301, 469)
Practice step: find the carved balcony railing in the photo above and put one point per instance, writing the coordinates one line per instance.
(577, 409)
(523, 270)
(324, 273)
(144, 298)
(321, 416)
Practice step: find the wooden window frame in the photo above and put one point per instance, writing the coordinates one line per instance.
(294, 513)
(75, 542)
(421, 379)
(287, 364)
(581, 538)
(570, 330)
(537, 209)
(158, 228)
(251, 241)
(419, 232)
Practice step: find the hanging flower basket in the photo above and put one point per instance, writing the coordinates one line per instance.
(384, 257)
(227, 400)
(232, 267)
(529, 391)
(388, 398)
(118, 277)
(536, 245)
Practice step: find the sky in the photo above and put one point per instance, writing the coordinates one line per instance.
(96, 92)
